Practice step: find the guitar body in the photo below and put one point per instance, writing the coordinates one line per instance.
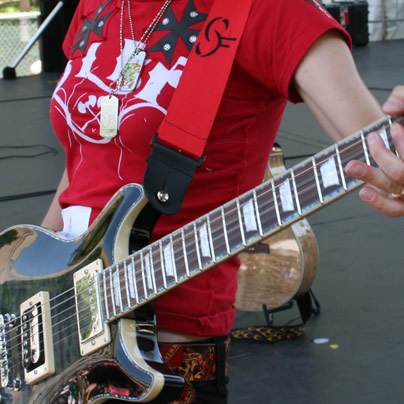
(35, 262)
(281, 267)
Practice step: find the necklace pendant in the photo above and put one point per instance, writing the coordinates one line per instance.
(132, 70)
(109, 117)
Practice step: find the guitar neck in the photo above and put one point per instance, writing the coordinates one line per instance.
(237, 225)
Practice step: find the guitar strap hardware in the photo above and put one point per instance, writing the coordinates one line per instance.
(168, 176)
(177, 148)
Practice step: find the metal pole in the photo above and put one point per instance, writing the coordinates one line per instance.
(9, 72)
(42, 28)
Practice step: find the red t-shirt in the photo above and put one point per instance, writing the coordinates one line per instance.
(277, 35)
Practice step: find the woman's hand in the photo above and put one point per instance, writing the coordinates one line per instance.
(384, 191)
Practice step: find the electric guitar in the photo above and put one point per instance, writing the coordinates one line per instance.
(75, 326)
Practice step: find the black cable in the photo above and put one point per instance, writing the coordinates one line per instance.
(49, 150)
(26, 99)
(26, 195)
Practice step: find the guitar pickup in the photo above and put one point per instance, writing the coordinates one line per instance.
(94, 333)
(36, 338)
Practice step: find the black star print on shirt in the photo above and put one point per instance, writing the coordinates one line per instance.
(96, 26)
(181, 29)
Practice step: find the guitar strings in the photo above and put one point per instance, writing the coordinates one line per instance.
(72, 325)
(157, 262)
(231, 228)
(229, 225)
(235, 223)
(149, 250)
(44, 312)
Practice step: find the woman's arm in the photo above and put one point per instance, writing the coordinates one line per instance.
(329, 83)
(53, 218)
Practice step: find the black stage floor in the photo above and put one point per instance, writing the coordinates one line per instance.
(361, 271)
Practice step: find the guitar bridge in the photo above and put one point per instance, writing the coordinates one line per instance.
(36, 338)
(93, 332)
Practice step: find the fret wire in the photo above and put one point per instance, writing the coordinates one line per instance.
(152, 270)
(198, 253)
(296, 194)
(257, 213)
(184, 247)
(240, 220)
(320, 195)
(304, 181)
(211, 239)
(125, 268)
(105, 294)
(173, 258)
(120, 301)
(365, 148)
(112, 291)
(135, 279)
(341, 169)
(146, 294)
(278, 216)
(390, 123)
(226, 239)
(162, 264)
(116, 283)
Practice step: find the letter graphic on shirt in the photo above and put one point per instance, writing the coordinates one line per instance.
(81, 109)
(158, 78)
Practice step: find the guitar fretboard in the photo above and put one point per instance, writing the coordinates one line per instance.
(237, 225)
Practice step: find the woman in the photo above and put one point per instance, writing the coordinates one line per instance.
(290, 51)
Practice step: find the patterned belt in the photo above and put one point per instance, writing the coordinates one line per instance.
(193, 361)
(196, 362)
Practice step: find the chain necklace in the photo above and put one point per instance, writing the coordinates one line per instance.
(130, 72)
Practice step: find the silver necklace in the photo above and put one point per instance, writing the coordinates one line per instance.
(130, 72)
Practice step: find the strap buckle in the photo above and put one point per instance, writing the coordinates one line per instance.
(167, 177)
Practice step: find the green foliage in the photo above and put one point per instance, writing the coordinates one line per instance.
(11, 7)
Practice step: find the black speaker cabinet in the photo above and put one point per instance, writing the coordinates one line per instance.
(52, 57)
(353, 16)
